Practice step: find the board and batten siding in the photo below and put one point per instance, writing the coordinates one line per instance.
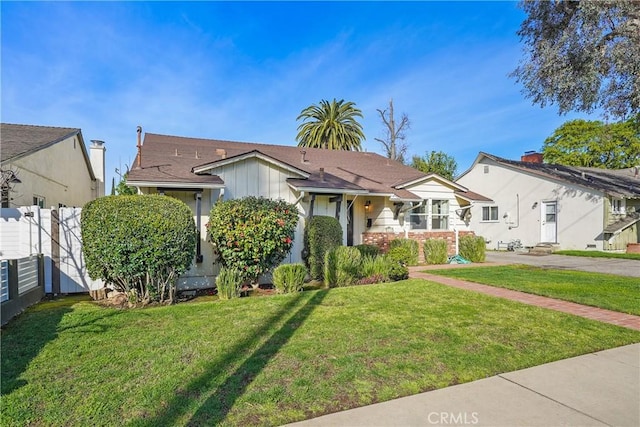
(519, 196)
(382, 208)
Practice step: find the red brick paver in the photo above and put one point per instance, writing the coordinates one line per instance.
(602, 315)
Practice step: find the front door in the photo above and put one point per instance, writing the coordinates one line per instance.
(549, 222)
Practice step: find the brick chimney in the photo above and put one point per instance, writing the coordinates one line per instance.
(532, 157)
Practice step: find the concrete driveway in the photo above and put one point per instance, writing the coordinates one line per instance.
(621, 267)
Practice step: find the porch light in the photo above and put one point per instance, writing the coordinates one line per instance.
(367, 205)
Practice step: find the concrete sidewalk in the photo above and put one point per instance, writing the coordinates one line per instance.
(598, 389)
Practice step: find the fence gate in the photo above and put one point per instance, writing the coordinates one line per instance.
(29, 230)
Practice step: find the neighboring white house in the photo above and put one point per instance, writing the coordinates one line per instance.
(374, 198)
(571, 207)
(49, 167)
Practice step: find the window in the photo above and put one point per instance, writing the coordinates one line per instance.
(418, 217)
(432, 215)
(618, 206)
(486, 169)
(38, 201)
(439, 214)
(489, 213)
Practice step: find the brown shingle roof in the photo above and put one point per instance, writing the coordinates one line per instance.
(622, 183)
(20, 140)
(343, 170)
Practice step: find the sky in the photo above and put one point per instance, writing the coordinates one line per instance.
(243, 71)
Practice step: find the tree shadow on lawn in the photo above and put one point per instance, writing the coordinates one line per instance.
(216, 407)
(25, 336)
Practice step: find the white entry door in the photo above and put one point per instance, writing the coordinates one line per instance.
(549, 222)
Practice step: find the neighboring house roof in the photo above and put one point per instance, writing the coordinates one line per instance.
(621, 224)
(470, 196)
(179, 160)
(22, 140)
(622, 183)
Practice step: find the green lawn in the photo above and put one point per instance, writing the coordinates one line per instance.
(599, 290)
(271, 360)
(599, 254)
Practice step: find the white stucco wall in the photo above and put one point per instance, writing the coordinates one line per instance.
(580, 211)
(58, 173)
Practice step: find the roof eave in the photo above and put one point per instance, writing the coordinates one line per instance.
(174, 184)
(251, 154)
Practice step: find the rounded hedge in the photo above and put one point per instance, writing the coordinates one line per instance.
(321, 234)
(252, 234)
(131, 240)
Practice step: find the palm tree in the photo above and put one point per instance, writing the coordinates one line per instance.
(331, 125)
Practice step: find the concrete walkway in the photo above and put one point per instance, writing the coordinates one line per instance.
(621, 267)
(598, 389)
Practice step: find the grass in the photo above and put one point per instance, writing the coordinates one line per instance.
(608, 291)
(599, 254)
(272, 360)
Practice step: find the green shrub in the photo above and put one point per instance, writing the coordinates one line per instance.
(138, 244)
(368, 250)
(321, 234)
(288, 278)
(472, 248)
(374, 269)
(397, 263)
(411, 247)
(229, 283)
(342, 265)
(330, 268)
(252, 234)
(436, 251)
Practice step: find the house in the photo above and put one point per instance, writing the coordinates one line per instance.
(374, 198)
(569, 207)
(49, 166)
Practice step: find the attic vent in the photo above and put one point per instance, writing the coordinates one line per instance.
(486, 169)
(221, 152)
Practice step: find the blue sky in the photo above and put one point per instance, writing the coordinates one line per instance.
(243, 71)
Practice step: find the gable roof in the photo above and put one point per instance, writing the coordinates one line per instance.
(180, 160)
(18, 141)
(616, 183)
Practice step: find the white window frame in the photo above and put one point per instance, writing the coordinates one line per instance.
(439, 217)
(423, 218)
(39, 201)
(490, 210)
(618, 206)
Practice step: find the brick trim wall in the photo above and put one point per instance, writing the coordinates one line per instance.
(382, 240)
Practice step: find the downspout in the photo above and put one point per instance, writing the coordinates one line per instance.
(199, 257)
(511, 227)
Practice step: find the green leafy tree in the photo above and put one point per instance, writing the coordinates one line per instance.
(436, 162)
(331, 125)
(252, 235)
(594, 144)
(122, 189)
(582, 55)
(138, 244)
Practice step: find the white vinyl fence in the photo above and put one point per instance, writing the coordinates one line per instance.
(28, 231)
(4, 280)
